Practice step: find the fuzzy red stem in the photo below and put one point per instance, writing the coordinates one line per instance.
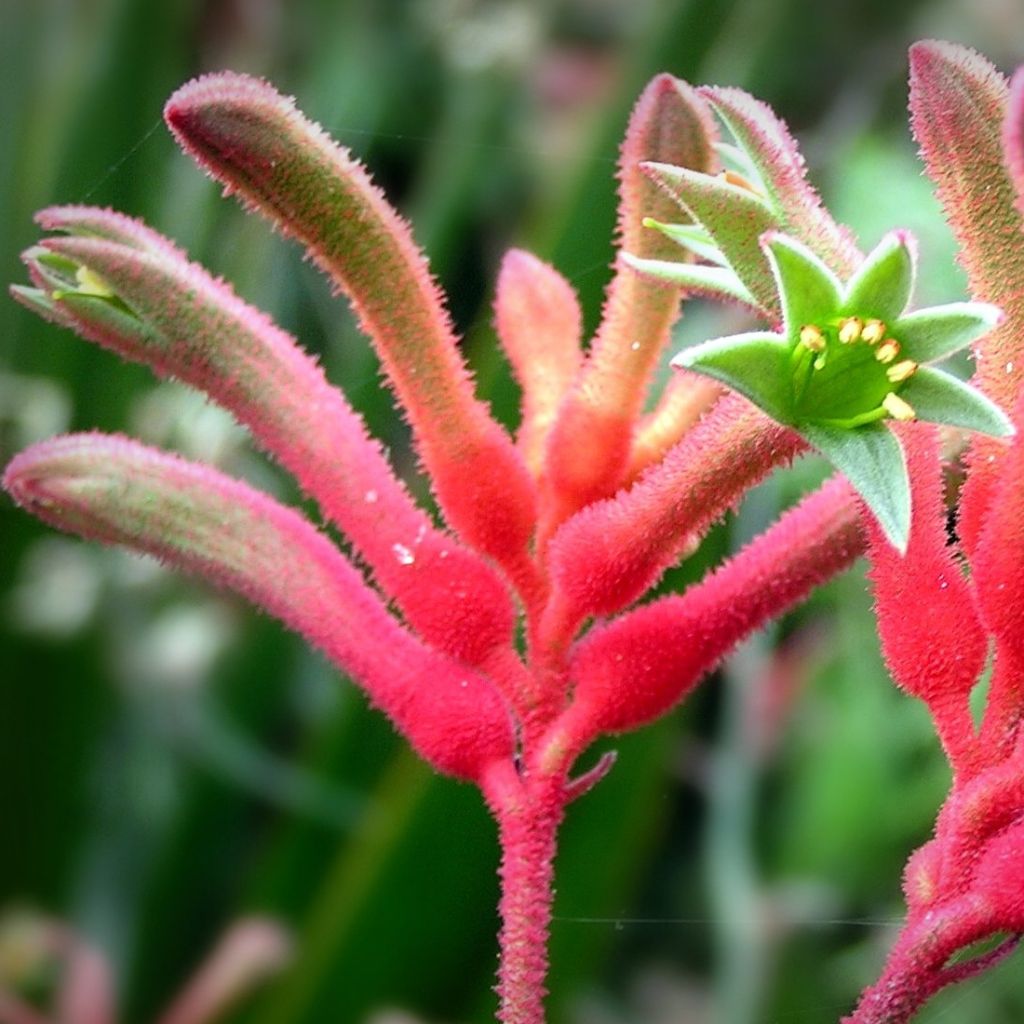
(529, 814)
(917, 965)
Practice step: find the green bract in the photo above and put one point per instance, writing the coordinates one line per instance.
(848, 358)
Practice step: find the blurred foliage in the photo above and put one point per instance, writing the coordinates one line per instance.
(169, 760)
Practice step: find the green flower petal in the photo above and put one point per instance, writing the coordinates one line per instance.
(882, 285)
(931, 334)
(717, 282)
(836, 383)
(809, 291)
(939, 397)
(755, 365)
(691, 237)
(872, 460)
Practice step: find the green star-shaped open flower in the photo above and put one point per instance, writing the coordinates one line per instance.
(849, 358)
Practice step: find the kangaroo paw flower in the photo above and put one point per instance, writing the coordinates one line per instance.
(849, 358)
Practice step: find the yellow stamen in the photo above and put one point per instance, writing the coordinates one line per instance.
(732, 178)
(874, 332)
(901, 371)
(897, 408)
(850, 330)
(888, 350)
(90, 283)
(812, 338)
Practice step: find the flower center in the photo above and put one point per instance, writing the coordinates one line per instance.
(848, 373)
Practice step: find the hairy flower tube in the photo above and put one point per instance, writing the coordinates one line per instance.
(963, 888)
(553, 535)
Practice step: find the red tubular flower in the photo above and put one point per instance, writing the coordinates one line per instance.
(634, 669)
(937, 652)
(253, 140)
(590, 444)
(535, 525)
(187, 325)
(611, 552)
(958, 104)
(118, 491)
(938, 625)
(539, 322)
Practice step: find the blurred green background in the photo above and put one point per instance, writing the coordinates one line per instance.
(170, 760)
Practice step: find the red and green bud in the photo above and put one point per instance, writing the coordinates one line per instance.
(590, 443)
(191, 516)
(538, 321)
(252, 139)
(118, 283)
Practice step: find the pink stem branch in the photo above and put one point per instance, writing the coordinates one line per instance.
(918, 965)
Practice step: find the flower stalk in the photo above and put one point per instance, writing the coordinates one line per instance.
(528, 814)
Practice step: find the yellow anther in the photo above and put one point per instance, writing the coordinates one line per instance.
(874, 332)
(901, 371)
(897, 408)
(812, 338)
(888, 350)
(732, 178)
(90, 283)
(850, 329)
